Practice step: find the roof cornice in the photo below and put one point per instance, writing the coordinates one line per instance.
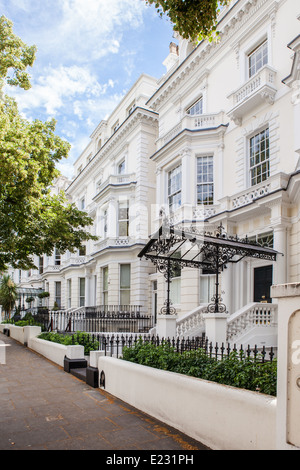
(135, 118)
(234, 20)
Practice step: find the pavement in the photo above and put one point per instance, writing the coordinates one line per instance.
(42, 407)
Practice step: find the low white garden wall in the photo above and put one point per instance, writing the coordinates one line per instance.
(56, 352)
(22, 334)
(221, 417)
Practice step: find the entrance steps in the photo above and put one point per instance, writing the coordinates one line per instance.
(254, 324)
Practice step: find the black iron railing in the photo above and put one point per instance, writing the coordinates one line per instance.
(101, 319)
(113, 345)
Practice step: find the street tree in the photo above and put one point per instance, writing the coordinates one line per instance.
(8, 294)
(192, 19)
(33, 221)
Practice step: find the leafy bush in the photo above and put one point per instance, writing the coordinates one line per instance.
(28, 320)
(235, 370)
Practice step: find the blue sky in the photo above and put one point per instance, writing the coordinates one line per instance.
(90, 52)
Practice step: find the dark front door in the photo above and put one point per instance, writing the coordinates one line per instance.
(263, 280)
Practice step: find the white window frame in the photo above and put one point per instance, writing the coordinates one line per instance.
(258, 37)
(210, 182)
(105, 222)
(58, 292)
(126, 288)
(254, 53)
(131, 108)
(260, 163)
(81, 297)
(125, 219)
(104, 287)
(194, 107)
(121, 166)
(69, 292)
(174, 192)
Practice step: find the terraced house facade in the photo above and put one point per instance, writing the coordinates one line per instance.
(215, 141)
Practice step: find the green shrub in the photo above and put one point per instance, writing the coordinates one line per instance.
(235, 370)
(80, 339)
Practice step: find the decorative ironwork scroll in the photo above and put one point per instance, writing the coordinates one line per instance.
(178, 246)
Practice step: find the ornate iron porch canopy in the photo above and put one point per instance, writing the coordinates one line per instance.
(172, 247)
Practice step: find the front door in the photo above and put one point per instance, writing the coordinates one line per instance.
(263, 280)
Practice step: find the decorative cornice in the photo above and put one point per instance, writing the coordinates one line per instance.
(234, 20)
(135, 118)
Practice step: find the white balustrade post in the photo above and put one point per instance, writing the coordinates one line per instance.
(166, 326)
(216, 327)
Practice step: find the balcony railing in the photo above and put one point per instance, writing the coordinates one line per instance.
(259, 88)
(114, 180)
(201, 121)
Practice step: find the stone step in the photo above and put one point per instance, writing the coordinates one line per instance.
(79, 373)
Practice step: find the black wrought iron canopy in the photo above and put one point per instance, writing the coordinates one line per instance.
(172, 247)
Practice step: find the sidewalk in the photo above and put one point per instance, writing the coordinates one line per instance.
(44, 408)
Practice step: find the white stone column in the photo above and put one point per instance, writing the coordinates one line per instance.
(280, 245)
(187, 190)
(112, 217)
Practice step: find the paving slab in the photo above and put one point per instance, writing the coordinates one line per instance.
(42, 407)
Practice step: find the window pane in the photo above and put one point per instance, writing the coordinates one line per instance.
(123, 219)
(125, 297)
(258, 58)
(82, 286)
(175, 291)
(205, 177)
(196, 109)
(124, 276)
(174, 188)
(121, 168)
(125, 284)
(105, 278)
(259, 157)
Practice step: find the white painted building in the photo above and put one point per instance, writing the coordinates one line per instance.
(217, 141)
(228, 153)
(115, 184)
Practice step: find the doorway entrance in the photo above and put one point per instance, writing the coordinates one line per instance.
(263, 280)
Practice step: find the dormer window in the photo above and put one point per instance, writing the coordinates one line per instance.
(196, 108)
(131, 109)
(115, 127)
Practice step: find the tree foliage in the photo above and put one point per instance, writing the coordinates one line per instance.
(8, 293)
(192, 19)
(32, 219)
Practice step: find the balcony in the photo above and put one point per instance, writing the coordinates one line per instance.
(189, 213)
(197, 122)
(115, 180)
(114, 242)
(258, 89)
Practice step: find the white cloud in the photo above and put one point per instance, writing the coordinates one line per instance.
(55, 87)
(96, 26)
